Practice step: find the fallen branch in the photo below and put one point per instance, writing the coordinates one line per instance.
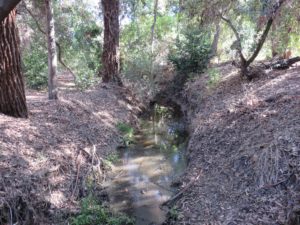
(282, 64)
(183, 190)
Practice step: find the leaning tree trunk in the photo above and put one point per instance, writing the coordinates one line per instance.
(111, 54)
(245, 63)
(12, 93)
(52, 56)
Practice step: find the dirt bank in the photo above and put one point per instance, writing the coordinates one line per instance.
(47, 162)
(245, 145)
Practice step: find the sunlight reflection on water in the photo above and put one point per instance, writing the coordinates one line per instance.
(148, 169)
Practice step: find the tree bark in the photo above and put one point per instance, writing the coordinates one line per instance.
(52, 56)
(6, 7)
(152, 76)
(153, 25)
(12, 93)
(214, 46)
(111, 54)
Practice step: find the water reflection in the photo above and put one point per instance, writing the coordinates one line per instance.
(148, 168)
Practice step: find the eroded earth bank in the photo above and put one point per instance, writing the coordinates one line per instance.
(243, 151)
(54, 159)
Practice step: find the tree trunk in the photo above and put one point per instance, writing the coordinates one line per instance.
(152, 76)
(245, 63)
(214, 46)
(6, 7)
(52, 56)
(153, 25)
(111, 54)
(12, 93)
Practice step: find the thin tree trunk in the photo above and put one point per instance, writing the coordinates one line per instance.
(245, 63)
(153, 25)
(214, 46)
(59, 49)
(111, 52)
(12, 93)
(52, 56)
(152, 76)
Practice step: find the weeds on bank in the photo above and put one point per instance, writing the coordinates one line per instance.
(111, 159)
(92, 213)
(127, 133)
(214, 77)
(173, 213)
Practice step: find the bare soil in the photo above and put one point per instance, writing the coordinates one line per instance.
(244, 148)
(49, 161)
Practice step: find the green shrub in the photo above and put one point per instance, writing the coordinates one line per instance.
(214, 76)
(191, 52)
(36, 67)
(93, 213)
(127, 133)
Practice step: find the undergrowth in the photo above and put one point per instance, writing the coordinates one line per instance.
(127, 132)
(214, 77)
(93, 213)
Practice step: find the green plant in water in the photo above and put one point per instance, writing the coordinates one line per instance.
(127, 133)
(93, 213)
(214, 76)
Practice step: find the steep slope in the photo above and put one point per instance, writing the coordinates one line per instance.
(46, 161)
(245, 145)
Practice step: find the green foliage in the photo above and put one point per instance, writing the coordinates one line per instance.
(127, 133)
(214, 76)
(93, 213)
(161, 111)
(173, 213)
(110, 160)
(191, 53)
(113, 158)
(80, 39)
(35, 67)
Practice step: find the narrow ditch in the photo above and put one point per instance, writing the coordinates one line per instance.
(144, 176)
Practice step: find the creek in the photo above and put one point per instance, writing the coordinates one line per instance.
(144, 175)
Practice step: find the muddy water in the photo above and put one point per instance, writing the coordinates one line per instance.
(143, 177)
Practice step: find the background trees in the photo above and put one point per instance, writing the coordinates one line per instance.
(137, 41)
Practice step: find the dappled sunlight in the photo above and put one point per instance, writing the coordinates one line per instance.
(50, 151)
(56, 199)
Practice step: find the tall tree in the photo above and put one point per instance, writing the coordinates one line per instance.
(111, 52)
(6, 7)
(12, 93)
(52, 56)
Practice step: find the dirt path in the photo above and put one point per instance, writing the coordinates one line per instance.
(246, 143)
(47, 160)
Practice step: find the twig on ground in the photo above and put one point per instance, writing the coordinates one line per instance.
(183, 190)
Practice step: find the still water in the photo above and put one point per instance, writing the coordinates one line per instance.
(142, 179)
